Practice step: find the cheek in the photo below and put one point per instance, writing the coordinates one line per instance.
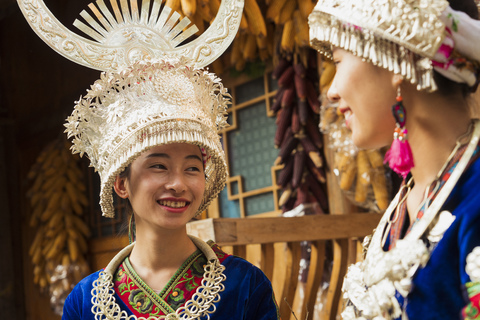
(200, 188)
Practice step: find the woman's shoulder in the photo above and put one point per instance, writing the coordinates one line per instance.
(86, 284)
(234, 263)
(78, 302)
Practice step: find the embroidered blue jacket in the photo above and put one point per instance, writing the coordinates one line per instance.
(440, 288)
(248, 295)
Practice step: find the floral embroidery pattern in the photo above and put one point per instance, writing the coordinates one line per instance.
(144, 302)
(472, 310)
(140, 301)
(176, 299)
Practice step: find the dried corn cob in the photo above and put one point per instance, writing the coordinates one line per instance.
(379, 185)
(313, 132)
(284, 118)
(279, 69)
(375, 158)
(256, 23)
(295, 121)
(317, 191)
(277, 101)
(347, 175)
(363, 168)
(189, 7)
(305, 7)
(286, 174)
(286, 78)
(250, 48)
(174, 5)
(288, 36)
(287, 98)
(298, 166)
(303, 111)
(286, 12)
(327, 74)
(274, 9)
(302, 36)
(300, 86)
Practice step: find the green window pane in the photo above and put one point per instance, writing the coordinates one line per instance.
(249, 90)
(228, 208)
(251, 147)
(259, 204)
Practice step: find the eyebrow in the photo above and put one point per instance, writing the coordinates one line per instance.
(164, 155)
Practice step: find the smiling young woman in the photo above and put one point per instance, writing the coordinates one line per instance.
(164, 155)
(422, 57)
(149, 126)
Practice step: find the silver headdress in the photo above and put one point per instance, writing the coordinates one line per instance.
(407, 37)
(153, 91)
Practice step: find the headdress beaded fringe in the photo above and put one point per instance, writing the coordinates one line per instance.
(380, 52)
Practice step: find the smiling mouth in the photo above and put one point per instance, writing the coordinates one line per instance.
(173, 204)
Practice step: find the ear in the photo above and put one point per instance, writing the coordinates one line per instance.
(120, 187)
(397, 80)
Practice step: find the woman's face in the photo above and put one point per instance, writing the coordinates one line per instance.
(165, 185)
(365, 95)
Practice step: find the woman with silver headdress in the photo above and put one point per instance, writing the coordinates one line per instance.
(149, 127)
(422, 57)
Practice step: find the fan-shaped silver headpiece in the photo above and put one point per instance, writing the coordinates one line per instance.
(153, 90)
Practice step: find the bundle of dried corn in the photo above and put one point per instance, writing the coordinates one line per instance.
(298, 138)
(58, 198)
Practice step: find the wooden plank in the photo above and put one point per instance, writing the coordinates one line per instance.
(294, 253)
(315, 274)
(240, 251)
(340, 264)
(267, 259)
(238, 231)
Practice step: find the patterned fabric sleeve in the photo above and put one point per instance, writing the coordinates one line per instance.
(470, 274)
(472, 269)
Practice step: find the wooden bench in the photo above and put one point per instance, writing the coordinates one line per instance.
(274, 245)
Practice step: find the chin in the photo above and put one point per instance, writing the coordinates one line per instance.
(368, 143)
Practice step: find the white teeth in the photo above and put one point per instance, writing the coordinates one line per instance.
(347, 114)
(173, 204)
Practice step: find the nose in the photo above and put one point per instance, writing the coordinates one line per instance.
(176, 183)
(332, 93)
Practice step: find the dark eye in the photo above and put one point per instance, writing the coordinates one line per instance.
(158, 166)
(193, 169)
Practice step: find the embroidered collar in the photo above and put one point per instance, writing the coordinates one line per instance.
(202, 297)
(145, 301)
(370, 286)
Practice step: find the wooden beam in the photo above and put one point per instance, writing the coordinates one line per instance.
(235, 231)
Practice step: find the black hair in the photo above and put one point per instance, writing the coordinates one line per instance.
(125, 173)
(446, 86)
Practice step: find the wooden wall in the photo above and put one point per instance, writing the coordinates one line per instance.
(37, 90)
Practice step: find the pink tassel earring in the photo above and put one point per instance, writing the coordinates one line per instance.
(399, 157)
